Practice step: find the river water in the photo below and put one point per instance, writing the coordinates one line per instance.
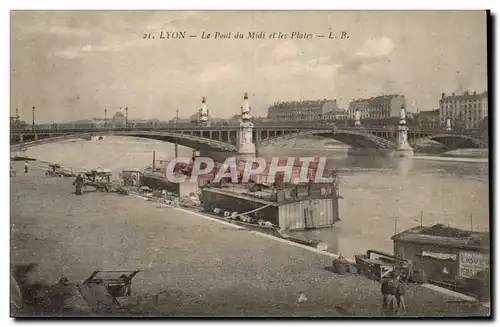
(380, 195)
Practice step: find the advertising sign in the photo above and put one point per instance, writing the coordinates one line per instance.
(470, 263)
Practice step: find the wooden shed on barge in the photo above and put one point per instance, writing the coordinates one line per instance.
(298, 208)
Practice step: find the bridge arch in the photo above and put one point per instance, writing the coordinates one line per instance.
(454, 141)
(191, 141)
(353, 138)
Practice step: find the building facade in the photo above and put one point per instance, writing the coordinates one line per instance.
(428, 119)
(339, 114)
(464, 110)
(307, 110)
(380, 107)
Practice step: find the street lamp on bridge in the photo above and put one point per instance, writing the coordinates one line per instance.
(126, 116)
(33, 120)
(105, 117)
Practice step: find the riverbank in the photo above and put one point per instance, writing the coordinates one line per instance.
(467, 153)
(208, 269)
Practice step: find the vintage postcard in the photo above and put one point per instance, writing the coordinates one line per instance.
(249, 164)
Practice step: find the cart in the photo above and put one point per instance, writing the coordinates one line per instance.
(117, 282)
(56, 170)
(99, 178)
(101, 290)
(376, 265)
(97, 294)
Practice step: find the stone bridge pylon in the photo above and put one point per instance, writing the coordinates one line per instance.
(403, 148)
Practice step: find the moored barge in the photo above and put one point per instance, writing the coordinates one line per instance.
(306, 204)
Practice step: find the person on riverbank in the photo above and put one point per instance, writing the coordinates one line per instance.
(78, 183)
(388, 289)
(400, 294)
(26, 167)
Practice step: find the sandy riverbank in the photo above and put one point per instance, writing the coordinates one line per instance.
(210, 269)
(467, 153)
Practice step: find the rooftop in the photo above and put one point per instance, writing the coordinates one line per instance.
(442, 235)
(466, 95)
(284, 104)
(377, 98)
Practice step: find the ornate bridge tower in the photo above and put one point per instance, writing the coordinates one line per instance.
(203, 113)
(403, 147)
(246, 146)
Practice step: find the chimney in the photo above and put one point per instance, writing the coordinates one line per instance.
(474, 92)
(466, 93)
(453, 94)
(443, 95)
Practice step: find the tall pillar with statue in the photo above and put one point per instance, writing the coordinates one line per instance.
(448, 124)
(246, 145)
(357, 118)
(203, 113)
(403, 148)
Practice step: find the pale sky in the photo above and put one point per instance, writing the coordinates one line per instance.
(73, 65)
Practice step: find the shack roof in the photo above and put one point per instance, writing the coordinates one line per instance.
(445, 236)
(236, 193)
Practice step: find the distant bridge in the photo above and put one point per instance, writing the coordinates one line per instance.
(225, 138)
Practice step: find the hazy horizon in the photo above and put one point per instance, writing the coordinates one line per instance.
(72, 65)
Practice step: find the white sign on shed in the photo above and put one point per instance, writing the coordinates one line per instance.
(471, 263)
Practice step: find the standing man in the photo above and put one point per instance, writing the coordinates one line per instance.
(26, 167)
(388, 290)
(164, 196)
(400, 295)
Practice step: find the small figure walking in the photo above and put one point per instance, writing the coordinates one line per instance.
(26, 167)
(163, 198)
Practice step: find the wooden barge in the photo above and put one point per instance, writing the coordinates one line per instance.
(294, 208)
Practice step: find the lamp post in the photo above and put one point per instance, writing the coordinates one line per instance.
(33, 120)
(176, 141)
(105, 117)
(126, 116)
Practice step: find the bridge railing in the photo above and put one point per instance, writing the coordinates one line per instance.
(183, 127)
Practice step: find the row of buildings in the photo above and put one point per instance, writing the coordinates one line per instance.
(467, 110)
(381, 107)
(309, 110)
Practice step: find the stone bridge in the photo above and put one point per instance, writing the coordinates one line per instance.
(225, 138)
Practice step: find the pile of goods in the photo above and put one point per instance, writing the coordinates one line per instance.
(243, 218)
